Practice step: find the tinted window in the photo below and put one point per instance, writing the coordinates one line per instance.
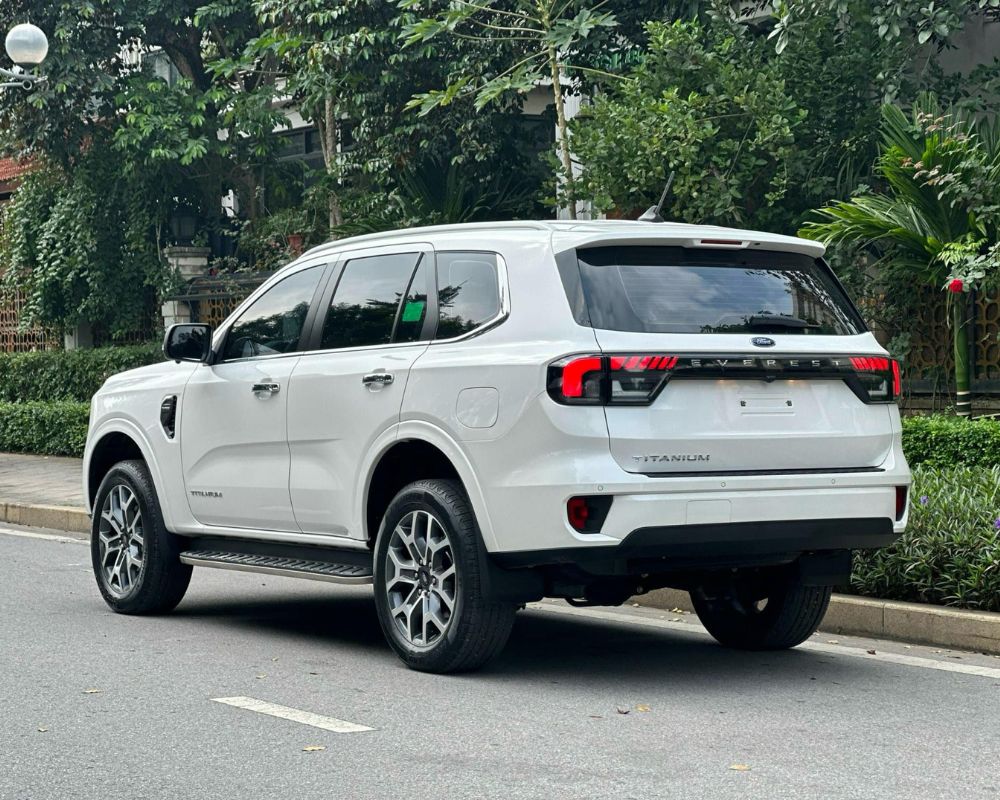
(273, 324)
(411, 318)
(468, 292)
(364, 306)
(673, 290)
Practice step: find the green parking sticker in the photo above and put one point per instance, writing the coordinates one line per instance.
(413, 311)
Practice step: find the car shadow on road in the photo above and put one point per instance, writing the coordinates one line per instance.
(543, 645)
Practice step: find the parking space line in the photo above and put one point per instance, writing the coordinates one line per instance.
(293, 714)
(818, 647)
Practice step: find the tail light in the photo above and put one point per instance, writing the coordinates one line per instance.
(587, 513)
(879, 377)
(637, 378)
(609, 380)
(901, 493)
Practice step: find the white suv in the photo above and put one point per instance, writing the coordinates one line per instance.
(474, 417)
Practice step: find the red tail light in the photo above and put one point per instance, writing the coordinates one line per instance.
(587, 514)
(575, 374)
(637, 378)
(901, 493)
(577, 511)
(616, 379)
(879, 376)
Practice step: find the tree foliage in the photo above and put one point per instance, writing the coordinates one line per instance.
(936, 224)
(80, 245)
(706, 105)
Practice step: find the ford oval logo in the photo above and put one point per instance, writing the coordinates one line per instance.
(762, 341)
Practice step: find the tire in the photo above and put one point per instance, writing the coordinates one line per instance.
(146, 576)
(416, 573)
(737, 617)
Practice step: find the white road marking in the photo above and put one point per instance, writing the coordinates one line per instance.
(293, 714)
(52, 537)
(817, 647)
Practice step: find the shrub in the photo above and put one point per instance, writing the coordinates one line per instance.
(950, 553)
(944, 441)
(56, 428)
(67, 375)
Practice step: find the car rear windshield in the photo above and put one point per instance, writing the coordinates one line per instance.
(681, 290)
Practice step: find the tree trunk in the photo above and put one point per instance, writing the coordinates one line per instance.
(328, 142)
(567, 160)
(960, 338)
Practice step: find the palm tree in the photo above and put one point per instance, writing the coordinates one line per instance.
(933, 222)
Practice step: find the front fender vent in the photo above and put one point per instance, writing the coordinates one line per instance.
(168, 415)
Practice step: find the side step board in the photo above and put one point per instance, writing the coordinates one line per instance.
(291, 566)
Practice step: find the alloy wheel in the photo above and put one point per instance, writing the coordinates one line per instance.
(421, 580)
(120, 537)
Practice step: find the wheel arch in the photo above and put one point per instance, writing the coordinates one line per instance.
(419, 451)
(117, 441)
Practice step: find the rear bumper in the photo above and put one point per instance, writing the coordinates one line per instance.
(673, 547)
(555, 452)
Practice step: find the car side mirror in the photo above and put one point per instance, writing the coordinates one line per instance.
(188, 341)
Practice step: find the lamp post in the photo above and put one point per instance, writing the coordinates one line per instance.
(27, 47)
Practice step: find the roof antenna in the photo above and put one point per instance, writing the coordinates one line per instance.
(653, 212)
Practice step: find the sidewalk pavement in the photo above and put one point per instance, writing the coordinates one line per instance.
(42, 491)
(46, 492)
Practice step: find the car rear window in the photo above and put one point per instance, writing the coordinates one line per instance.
(681, 290)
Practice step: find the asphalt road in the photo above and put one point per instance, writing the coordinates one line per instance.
(94, 705)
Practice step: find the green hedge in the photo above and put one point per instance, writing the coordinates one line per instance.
(950, 553)
(56, 428)
(945, 441)
(67, 375)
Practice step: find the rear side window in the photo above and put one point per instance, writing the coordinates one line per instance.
(468, 292)
(365, 304)
(678, 290)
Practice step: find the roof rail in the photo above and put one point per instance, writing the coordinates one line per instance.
(369, 238)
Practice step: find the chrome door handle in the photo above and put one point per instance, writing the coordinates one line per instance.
(266, 388)
(377, 379)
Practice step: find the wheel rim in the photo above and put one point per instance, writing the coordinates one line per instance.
(421, 582)
(120, 540)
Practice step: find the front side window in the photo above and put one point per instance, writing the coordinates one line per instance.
(273, 323)
(468, 292)
(366, 302)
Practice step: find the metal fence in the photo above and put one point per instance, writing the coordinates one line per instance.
(17, 339)
(930, 362)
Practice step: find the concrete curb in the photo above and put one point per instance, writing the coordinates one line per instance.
(60, 518)
(956, 628)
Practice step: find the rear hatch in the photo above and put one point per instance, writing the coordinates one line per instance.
(729, 361)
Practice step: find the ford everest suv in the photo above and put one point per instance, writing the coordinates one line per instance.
(474, 417)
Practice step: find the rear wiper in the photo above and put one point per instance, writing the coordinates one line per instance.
(774, 321)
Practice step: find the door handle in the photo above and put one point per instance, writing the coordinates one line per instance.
(266, 388)
(377, 379)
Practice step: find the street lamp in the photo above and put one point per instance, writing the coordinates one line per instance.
(27, 47)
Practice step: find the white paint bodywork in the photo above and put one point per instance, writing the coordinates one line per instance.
(481, 400)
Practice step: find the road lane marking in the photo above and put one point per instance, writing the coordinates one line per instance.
(293, 714)
(52, 537)
(817, 647)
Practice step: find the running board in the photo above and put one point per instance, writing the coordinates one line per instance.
(330, 571)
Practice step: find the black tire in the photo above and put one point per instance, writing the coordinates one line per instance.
(478, 627)
(737, 616)
(162, 580)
